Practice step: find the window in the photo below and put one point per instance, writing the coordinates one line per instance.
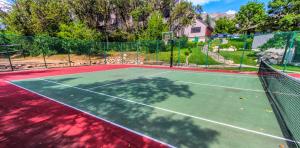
(195, 29)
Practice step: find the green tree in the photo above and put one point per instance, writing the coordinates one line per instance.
(139, 14)
(284, 15)
(77, 30)
(225, 25)
(251, 17)
(30, 17)
(155, 27)
(19, 18)
(208, 20)
(182, 15)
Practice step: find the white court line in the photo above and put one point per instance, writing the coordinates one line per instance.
(221, 86)
(110, 122)
(245, 89)
(217, 74)
(179, 113)
(151, 75)
(87, 72)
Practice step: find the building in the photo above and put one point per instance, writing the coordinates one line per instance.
(198, 30)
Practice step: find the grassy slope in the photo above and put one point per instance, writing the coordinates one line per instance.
(197, 57)
(235, 56)
(288, 67)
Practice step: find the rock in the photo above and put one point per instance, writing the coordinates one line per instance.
(272, 55)
(231, 48)
(273, 61)
(215, 48)
(224, 41)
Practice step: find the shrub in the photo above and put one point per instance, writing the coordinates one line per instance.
(222, 46)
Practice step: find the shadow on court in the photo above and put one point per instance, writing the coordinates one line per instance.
(107, 102)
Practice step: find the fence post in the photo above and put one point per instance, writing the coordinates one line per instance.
(157, 43)
(242, 58)
(122, 54)
(23, 51)
(172, 52)
(137, 52)
(9, 59)
(289, 50)
(146, 51)
(45, 63)
(179, 46)
(206, 60)
(243, 54)
(89, 53)
(105, 53)
(69, 57)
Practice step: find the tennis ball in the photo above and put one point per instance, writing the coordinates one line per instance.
(281, 145)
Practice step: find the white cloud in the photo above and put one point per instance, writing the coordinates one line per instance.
(230, 12)
(5, 5)
(202, 2)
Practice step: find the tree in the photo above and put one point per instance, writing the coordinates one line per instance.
(182, 15)
(251, 17)
(208, 20)
(155, 27)
(139, 14)
(225, 25)
(30, 17)
(284, 15)
(77, 30)
(47, 15)
(118, 20)
(19, 18)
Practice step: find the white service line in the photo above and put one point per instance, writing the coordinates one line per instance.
(110, 122)
(151, 75)
(179, 113)
(87, 72)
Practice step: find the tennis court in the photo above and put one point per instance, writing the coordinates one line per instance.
(175, 107)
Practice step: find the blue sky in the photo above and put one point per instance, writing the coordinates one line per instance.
(211, 6)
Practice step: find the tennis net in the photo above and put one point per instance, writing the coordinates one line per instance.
(284, 94)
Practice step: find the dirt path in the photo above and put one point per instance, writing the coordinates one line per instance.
(216, 56)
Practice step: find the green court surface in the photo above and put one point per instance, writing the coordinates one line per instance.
(180, 108)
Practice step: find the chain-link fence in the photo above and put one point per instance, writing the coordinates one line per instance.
(231, 52)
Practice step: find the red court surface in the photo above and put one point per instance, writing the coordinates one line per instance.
(29, 120)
